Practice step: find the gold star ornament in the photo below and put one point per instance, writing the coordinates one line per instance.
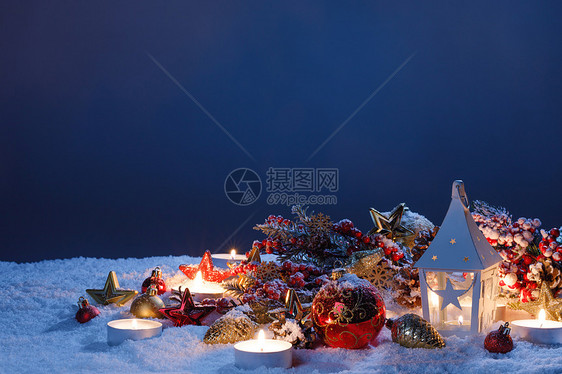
(434, 258)
(111, 294)
(551, 305)
(390, 226)
(453, 241)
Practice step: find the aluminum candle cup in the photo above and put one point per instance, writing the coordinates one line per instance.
(120, 330)
(201, 290)
(535, 331)
(269, 353)
(224, 259)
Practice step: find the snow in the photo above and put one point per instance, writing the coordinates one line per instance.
(39, 333)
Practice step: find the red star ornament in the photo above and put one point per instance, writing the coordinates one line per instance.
(187, 313)
(208, 271)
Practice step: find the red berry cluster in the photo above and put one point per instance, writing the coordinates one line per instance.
(551, 244)
(223, 304)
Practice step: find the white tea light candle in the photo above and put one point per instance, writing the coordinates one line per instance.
(120, 330)
(252, 354)
(201, 290)
(538, 331)
(224, 259)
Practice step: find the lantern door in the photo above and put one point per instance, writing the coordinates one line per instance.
(450, 301)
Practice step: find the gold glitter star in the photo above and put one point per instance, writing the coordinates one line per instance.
(465, 259)
(434, 258)
(390, 226)
(551, 305)
(453, 241)
(111, 292)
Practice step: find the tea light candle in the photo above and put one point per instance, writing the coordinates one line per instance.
(120, 330)
(227, 259)
(539, 331)
(252, 354)
(201, 289)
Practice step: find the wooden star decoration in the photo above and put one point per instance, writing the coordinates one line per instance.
(465, 259)
(187, 313)
(111, 293)
(453, 241)
(450, 295)
(546, 300)
(390, 226)
(207, 269)
(434, 258)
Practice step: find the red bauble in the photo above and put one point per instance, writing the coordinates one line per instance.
(348, 313)
(155, 278)
(86, 311)
(499, 341)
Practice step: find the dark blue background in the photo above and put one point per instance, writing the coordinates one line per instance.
(102, 155)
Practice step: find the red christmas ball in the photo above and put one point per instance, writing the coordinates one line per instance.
(499, 341)
(159, 282)
(348, 312)
(155, 278)
(86, 311)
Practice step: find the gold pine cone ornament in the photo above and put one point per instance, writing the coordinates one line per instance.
(412, 331)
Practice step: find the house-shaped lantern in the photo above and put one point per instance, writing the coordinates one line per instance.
(458, 273)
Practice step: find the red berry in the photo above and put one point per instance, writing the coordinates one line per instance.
(555, 232)
(550, 238)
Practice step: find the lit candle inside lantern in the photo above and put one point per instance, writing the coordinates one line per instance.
(252, 354)
(461, 320)
(120, 330)
(540, 330)
(233, 254)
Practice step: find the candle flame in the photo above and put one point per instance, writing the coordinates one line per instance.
(198, 281)
(233, 254)
(542, 316)
(461, 320)
(261, 340)
(134, 324)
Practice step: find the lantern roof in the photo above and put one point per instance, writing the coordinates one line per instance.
(459, 243)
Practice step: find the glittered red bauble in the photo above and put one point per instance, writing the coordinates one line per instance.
(86, 311)
(499, 341)
(348, 312)
(155, 278)
(159, 282)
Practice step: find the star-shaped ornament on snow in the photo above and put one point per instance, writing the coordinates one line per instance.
(187, 313)
(450, 295)
(208, 271)
(390, 226)
(546, 300)
(111, 293)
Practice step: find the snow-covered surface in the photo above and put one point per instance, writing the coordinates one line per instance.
(39, 333)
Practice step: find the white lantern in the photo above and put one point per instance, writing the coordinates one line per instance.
(458, 273)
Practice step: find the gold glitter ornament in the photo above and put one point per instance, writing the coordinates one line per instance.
(412, 331)
(233, 327)
(551, 305)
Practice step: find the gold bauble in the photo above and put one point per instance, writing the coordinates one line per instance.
(148, 305)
